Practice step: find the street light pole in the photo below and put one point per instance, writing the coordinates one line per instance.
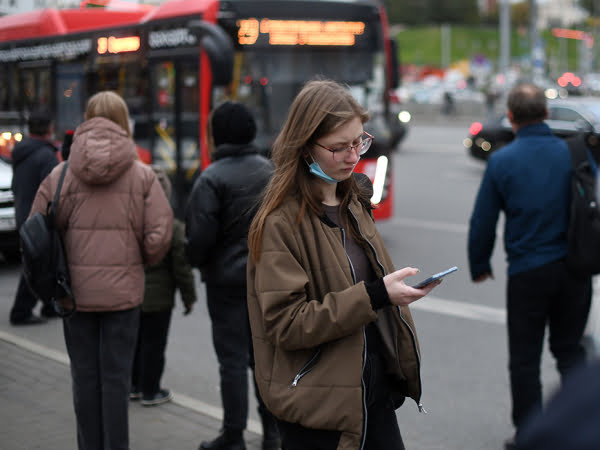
(533, 32)
(504, 36)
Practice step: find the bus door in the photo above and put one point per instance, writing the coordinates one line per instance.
(174, 123)
(70, 97)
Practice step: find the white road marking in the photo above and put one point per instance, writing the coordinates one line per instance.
(461, 309)
(434, 225)
(428, 225)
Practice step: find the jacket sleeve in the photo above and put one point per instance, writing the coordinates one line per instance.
(48, 162)
(482, 228)
(42, 197)
(202, 220)
(158, 222)
(181, 270)
(291, 319)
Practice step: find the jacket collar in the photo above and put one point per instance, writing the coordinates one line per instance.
(354, 206)
(534, 129)
(226, 150)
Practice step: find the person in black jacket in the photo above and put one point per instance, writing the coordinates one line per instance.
(32, 159)
(221, 206)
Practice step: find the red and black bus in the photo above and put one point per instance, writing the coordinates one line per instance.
(173, 62)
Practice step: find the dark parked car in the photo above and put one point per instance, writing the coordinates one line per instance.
(565, 118)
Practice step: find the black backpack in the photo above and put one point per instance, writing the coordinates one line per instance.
(44, 260)
(583, 255)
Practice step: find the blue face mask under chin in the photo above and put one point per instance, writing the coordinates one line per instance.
(316, 170)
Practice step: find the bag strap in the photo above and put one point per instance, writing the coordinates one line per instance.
(62, 312)
(54, 204)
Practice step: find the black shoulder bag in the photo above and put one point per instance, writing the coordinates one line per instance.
(44, 260)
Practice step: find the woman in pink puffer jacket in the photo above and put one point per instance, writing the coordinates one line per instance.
(114, 218)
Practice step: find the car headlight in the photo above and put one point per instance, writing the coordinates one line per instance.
(404, 116)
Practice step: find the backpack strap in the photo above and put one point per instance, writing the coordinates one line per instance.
(54, 204)
(60, 278)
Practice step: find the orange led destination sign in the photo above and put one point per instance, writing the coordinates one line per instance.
(118, 45)
(299, 32)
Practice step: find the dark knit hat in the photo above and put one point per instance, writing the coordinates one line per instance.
(232, 123)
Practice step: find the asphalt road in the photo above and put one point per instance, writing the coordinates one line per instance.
(461, 326)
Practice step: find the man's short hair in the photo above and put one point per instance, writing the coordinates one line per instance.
(39, 121)
(527, 102)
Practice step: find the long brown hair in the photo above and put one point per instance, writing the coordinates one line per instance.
(320, 108)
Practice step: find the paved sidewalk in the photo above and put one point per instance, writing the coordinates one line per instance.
(36, 410)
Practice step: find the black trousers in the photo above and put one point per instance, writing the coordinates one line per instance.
(101, 347)
(24, 302)
(383, 432)
(232, 341)
(548, 295)
(149, 360)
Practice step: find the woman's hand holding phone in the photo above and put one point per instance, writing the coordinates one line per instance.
(400, 293)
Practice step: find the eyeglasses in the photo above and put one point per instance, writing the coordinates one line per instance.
(339, 154)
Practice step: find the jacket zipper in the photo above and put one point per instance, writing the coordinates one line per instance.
(347, 257)
(412, 334)
(306, 368)
(364, 359)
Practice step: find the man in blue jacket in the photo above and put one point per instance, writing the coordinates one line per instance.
(32, 159)
(529, 180)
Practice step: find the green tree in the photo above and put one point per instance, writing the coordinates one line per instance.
(455, 11)
(408, 12)
(424, 12)
(591, 6)
(519, 13)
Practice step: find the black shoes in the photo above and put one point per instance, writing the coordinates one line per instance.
(30, 320)
(162, 396)
(227, 440)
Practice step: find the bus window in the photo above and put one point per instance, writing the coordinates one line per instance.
(190, 96)
(28, 88)
(5, 88)
(36, 87)
(44, 88)
(128, 80)
(10, 123)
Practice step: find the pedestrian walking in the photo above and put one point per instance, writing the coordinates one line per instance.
(172, 273)
(448, 106)
(221, 206)
(114, 217)
(32, 160)
(335, 345)
(529, 180)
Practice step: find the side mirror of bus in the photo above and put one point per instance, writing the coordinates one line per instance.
(219, 48)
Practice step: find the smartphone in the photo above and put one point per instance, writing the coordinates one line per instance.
(437, 276)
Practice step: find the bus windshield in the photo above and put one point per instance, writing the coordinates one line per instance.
(268, 81)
